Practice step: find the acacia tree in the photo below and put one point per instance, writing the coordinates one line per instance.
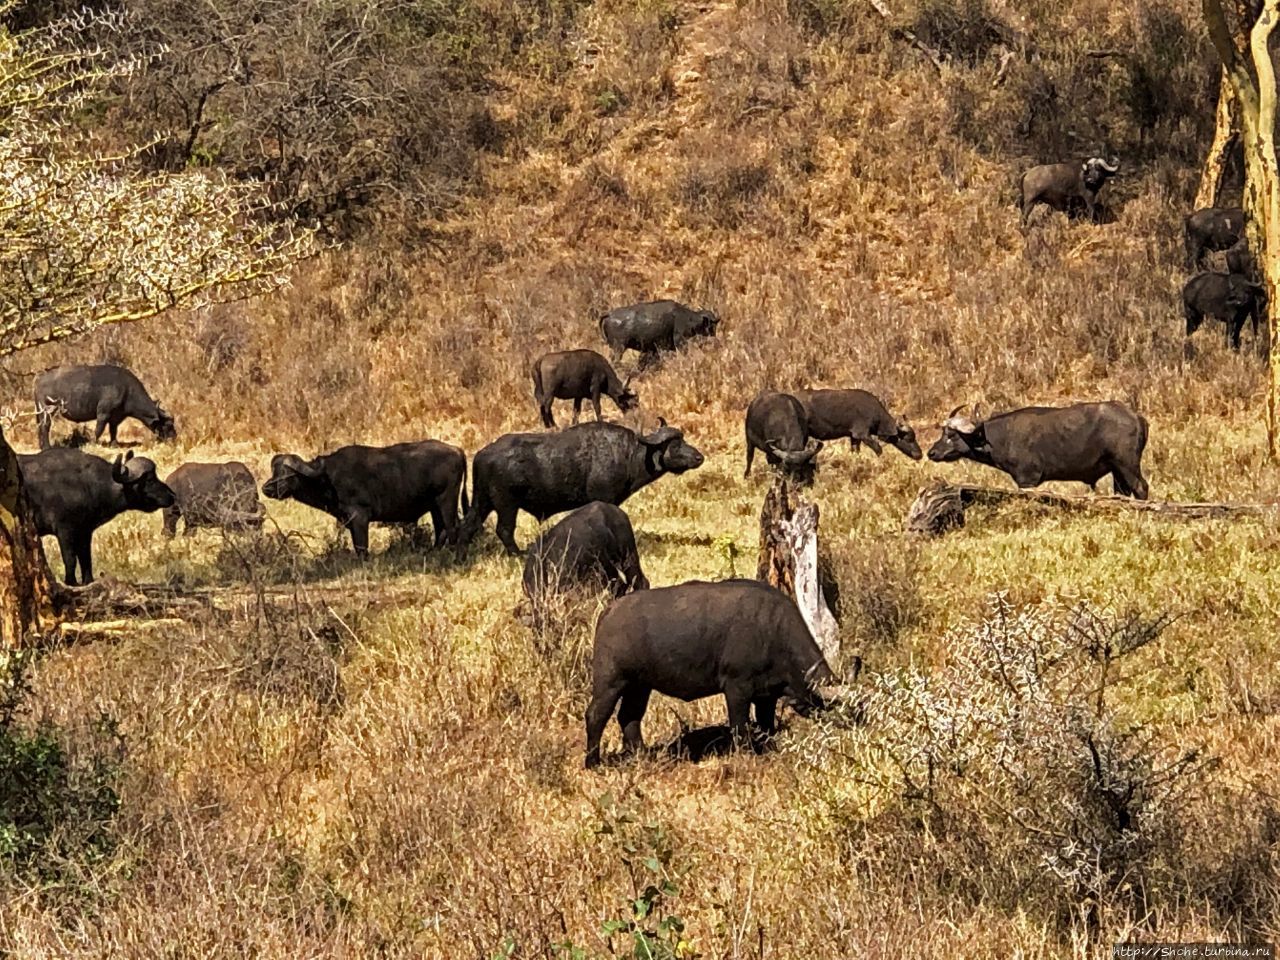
(1243, 43)
(88, 240)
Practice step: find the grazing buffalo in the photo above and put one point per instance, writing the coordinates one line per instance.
(105, 394)
(594, 546)
(776, 424)
(1229, 297)
(213, 495)
(1083, 442)
(73, 493)
(858, 415)
(577, 375)
(650, 328)
(360, 485)
(548, 473)
(740, 638)
(1211, 229)
(1066, 186)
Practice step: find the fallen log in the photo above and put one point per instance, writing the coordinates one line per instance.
(941, 506)
(789, 561)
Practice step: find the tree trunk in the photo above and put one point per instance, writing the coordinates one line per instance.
(789, 561)
(26, 598)
(1267, 205)
(1225, 135)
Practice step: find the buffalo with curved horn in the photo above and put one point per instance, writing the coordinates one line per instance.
(1065, 186)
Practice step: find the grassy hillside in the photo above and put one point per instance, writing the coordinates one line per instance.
(382, 759)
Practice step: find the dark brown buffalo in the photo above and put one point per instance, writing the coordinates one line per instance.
(651, 328)
(1228, 297)
(858, 415)
(359, 485)
(577, 375)
(104, 394)
(548, 473)
(73, 493)
(221, 495)
(1083, 442)
(775, 424)
(1211, 229)
(740, 638)
(594, 546)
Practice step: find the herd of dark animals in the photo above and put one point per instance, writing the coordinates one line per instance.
(742, 639)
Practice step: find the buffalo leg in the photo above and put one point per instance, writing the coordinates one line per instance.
(44, 422)
(506, 528)
(872, 443)
(635, 700)
(767, 714)
(171, 515)
(577, 409)
(751, 455)
(1132, 481)
(112, 426)
(544, 407)
(1234, 330)
(603, 700)
(99, 428)
(738, 703)
(437, 525)
(358, 524)
(84, 554)
(595, 402)
(67, 547)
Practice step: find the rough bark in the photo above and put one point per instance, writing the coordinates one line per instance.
(26, 592)
(1226, 135)
(941, 506)
(789, 561)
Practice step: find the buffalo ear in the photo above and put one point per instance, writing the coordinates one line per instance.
(118, 473)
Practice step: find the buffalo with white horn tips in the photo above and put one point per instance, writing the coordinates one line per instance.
(73, 493)
(1083, 442)
(776, 424)
(1066, 186)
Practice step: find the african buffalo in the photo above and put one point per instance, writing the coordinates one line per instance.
(213, 495)
(740, 638)
(858, 415)
(1211, 229)
(73, 493)
(1229, 297)
(548, 473)
(577, 375)
(1065, 186)
(359, 485)
(1083, 442)
(650, 328)
(105, 394)
(593, 546)
(776, 425)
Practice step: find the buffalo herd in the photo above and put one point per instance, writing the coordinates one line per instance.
(741, 639)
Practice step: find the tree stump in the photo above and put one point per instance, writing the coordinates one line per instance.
(789, 561)
(26, 596)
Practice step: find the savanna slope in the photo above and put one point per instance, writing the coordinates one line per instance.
(380, 759)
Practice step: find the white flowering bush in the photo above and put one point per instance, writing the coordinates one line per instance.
(89, 239)
(1014, 769)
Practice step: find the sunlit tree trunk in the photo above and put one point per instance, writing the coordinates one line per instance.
(26, 605)
(1255, 100)
(1225, 134)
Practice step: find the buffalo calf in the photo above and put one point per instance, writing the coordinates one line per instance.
(577, 375)
(213, 495)
(858, 415)
(740, 638)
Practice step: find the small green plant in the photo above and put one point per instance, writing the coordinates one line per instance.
(727, 547)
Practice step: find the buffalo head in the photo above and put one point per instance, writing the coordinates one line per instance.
(905, 440)
(143, 490)
(162, 425)
(627, 400)
(1096, 171)
(668, 449)
(707, 323)
(289, 475)
(961, 438)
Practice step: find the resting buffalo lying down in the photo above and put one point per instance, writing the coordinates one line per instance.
(594, 546)
(740, 638)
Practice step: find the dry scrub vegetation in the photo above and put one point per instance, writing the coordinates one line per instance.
(343, 759)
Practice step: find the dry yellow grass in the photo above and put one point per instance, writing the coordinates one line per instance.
(383, 761)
